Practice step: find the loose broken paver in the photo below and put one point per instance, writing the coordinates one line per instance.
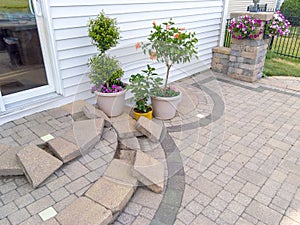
(125, 126)
(127, 155)
(74, 109)
(85, 133)
(63, 149)
(37, 164)
(84, 211)
(9, 164)
(112, 195)
(120, 171)
(92, 112)
(149, 171)
(150, 129)
(3, 148)
(129, 143)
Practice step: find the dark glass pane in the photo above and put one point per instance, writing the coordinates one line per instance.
(21, 61)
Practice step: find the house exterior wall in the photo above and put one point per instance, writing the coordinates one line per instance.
(68, 20)
(241, 5)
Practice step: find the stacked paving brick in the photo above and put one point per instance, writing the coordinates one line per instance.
(247, 59)
(220, 60)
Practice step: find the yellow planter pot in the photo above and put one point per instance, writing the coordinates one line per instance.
(138, 115)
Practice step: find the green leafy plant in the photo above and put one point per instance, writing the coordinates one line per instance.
(104, 32)
(170, 45)
(106, 72)
(141, 86)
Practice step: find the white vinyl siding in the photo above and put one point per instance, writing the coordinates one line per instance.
(68, 19)
(241, 5)
(135, 17)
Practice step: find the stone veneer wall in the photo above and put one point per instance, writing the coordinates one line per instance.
(220, 60)
(247, 59)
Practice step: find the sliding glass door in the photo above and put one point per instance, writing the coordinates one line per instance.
(22, 70)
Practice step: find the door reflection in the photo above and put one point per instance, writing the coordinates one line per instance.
(21, 61)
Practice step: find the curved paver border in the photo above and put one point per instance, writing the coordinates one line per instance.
(171, 202)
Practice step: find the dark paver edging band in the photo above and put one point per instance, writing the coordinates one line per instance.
(217, 112)
(170, 204)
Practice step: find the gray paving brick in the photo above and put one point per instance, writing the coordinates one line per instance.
(236, 207)
(58, 183)
(203, 220)
(206, 187)
(7, 187)
(229, 217)
(147, 213)
(186, 216)
(77, 185)
(211, 213)
(10, 196)
(4, 222)
(40, 205)
(133, 209)
(24, 201)
(250, 189)
(203, 199)
(7, 210)
(141, 220)
(263, 213)
(243, 199)
(125, 218)
(195, 207)
(218, 204)
(75, 170)
(252, 176)
(18, 216)
(59, 206)
(32, 220)
(59, 194)
(40, 192)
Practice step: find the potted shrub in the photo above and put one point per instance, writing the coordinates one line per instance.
(140, 86)
(106, 72)
(170, 45)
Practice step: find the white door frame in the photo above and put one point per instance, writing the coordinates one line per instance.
(47, 44)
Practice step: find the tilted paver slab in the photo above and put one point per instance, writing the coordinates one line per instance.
(150, 129)
(149, 171)
(120, 171)
(112, 195)
(37, 164)
(127, 155)
(3, 148)
(85, 133)
(74, 108)
(9, 164)
(63, 149)
(129, 143)
(92, 112)
(84, 211)
(125, 126)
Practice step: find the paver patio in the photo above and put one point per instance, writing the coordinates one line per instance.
(232, 156)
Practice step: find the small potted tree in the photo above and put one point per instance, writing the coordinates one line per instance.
(140, 86)
(106, 72)
(170, 45)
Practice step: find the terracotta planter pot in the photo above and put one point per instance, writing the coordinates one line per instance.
(137, 115)
(112, 104)
(164, 108)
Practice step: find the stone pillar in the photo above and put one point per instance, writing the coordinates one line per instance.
(247, 57)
